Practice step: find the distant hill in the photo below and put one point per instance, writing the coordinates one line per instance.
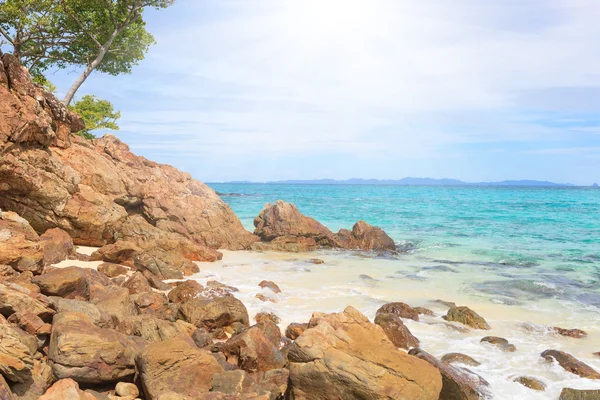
(415, 182)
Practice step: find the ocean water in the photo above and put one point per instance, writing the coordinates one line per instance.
(523, 258)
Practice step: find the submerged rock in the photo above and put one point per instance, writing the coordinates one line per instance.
(499, 342)
(574, 394)
(531, 383)
(573, 333)
(460, 358)
(571, 364)
(466, 316)
(271, 285)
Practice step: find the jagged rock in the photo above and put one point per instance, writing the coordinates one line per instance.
(531, 383)
(271, 285)
(5, 392)
(396, 331)
(20, 247)
(252, 351)
(157, 305)
(15, 301)
(499, 342)
(423, 311)
(215, 313)
(89, 354)
(267, 316)
(265, 299)
(574, 333)
(30, 323)
(137, 283)
(458, 383)
(40, 380)
(271, 331)
(185, 291)
(120, 252)
(574, 394)
(112, 270)
(571, 364)
(345, 356)
(466, 316)
(58, 246)
(153, 329)
(460, 358)
(66, 389)
(17, 349)
(156, 282)
(402, 310)
(176, 366)
(98, 317)
(202, 338)
(115, 302)
(294, 330)
(70, 282)
(365, 237)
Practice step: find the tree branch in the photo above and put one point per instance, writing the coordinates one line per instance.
(6, 35)
(83, 28)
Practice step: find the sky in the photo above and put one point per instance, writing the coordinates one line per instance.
(306, 89)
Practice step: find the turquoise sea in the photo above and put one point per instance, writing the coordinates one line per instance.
(541, 242)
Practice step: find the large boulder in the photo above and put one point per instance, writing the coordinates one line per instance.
(185, 291)
(70, 282)
(345, 356)
(571, 364)
(97, 316)
(252, 351)
(153, 329)
(366, 237)
(17, 349)
(19, 301)
(214, 313)
(58, 246)
(178, 367)
(574, 394)
(19, 243)
(37, 383)
(88, 354)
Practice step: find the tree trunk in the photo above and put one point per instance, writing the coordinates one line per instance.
(90, 68)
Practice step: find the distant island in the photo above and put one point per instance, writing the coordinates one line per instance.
(412, 182)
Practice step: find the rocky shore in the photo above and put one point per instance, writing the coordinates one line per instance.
(133, 327)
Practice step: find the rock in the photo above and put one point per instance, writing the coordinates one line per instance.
(137, 283)
(252, 351)
(176, 366)
(98, 317)
(571, 364)
(271, 331)
(17, 349)
(345, 356)
(112, 270)
(5, 392)
(163, 265)
(66, 389)
(291, 244)
(458, 383)
(574, 394)
(267, 316)
(597, 353)
(215, 313)
(265, 299)
(157, 305)
(152, 329)
(36, 385)
(30, 323)
(402, 310)
(114, 302)
(231, 382)
(156, 282)
(460, 358)
(294, 330)
(24, 280)
(20, 247)
(499, 342)
(531, 383)
(315, 261)
(445, 303)
(70, 282)
(366, 237)
(423, 311)
(396, 331)
(185, 291)
(125, 389)
(58, 246)
(271, 285)
(202, 338)
(574, 333)
(14, 301)
(102, 355)
(120, 252)
(466, 316)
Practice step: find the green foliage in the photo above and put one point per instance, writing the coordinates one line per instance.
(97, 114)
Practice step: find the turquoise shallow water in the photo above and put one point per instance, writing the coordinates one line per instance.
(537, 243)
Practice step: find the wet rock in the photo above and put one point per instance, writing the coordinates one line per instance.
(17, 349)
(573, 333)
(265, 299)
(448, 304)
(185, 291)
(125, 389)
(370, 281)
(336, 358)
(315, 261)
(294, 330)
(252, 351)
(597, 353)
(458, 383)
(402, 310)
(424, 311)
(271, 285)
(66, 389)
(499, 342)
(112, 270)
(215, 313)
(137, 283)
(58, 246)
(291, 244)
(460, 358)
(574, 394)
(267, 316)
(571, 364)
(466, 316)
(103, 355)
(396, 331)
(153, 329)
(176, 366)
(531, 383)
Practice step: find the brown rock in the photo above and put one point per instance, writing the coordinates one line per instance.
(152, 329)
(366, 237)
(70, 282)
(597, 353)
(120, 252)
(19, 243)
(215, 313)
(396, 331)
(98, 317)
(137, 283)
(574, 333)
(294, 330)
(66, 389)
(58, 246)
(315, 261)
(188, 290)
(574, 394)
(499, 342)
(252, 351)
(466, 316)
(458, 383)
(337, 358)
(265, 299)
(531, 383)
(460, 358)
(402, 310)
(291, 244)
(15, 301)
(571, 364)
(271, 285)
(36, 385)
(5, 392)
(423, 311)
(30, 323)
(112, 270)
(156, 282)
(125, 389)
(17, 349)
(114, 302)
(267, 316)
(157, 305)
(103, 355)
(202, 338)
(176, 366)
(271, 331)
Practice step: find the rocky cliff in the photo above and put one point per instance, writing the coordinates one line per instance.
(97, 191)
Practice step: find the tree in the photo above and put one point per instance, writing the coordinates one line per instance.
(105, 35)
(97, 114)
